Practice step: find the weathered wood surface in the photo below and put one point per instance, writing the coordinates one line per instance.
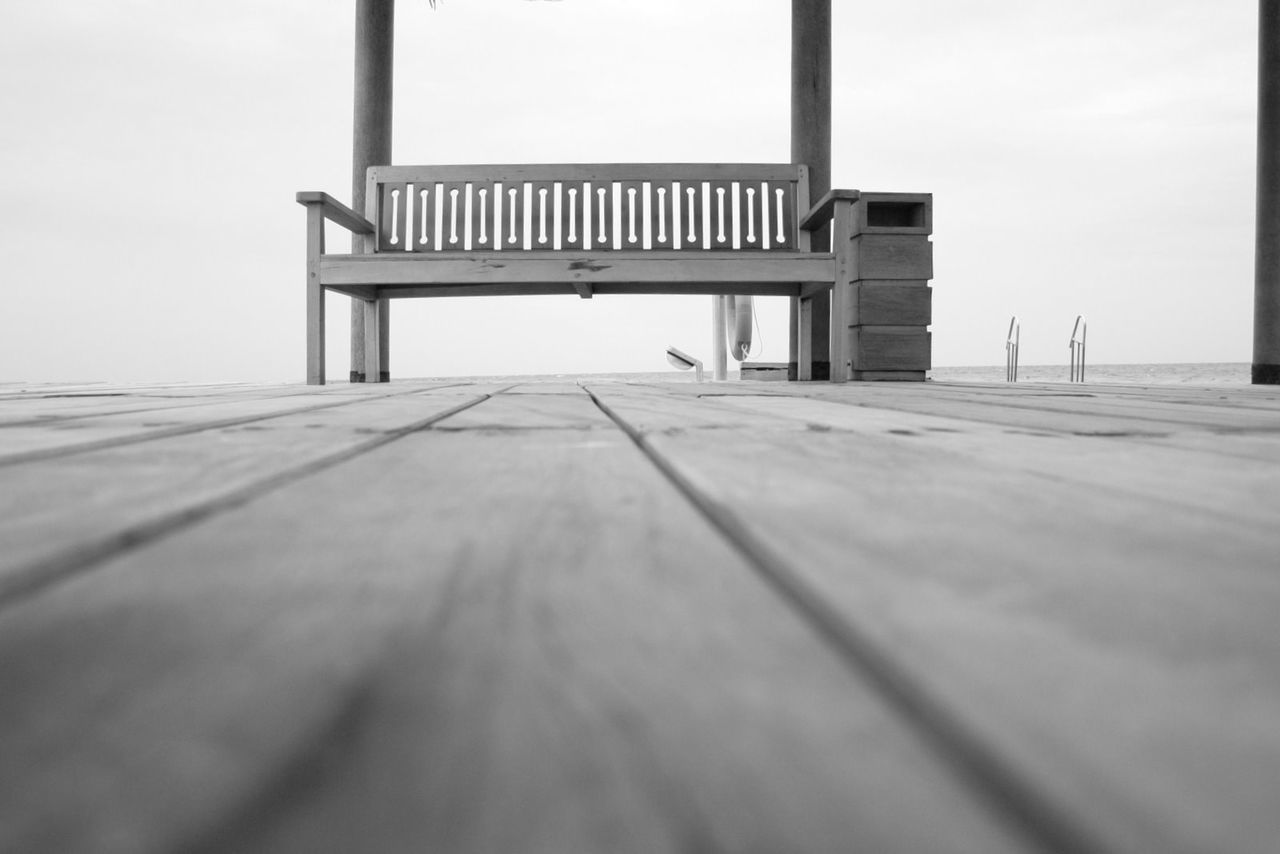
(493, 268)
(605, 616)
(523, 172)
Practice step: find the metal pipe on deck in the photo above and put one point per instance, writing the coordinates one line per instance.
(1266, 277)
(811, 145)
(371, 146)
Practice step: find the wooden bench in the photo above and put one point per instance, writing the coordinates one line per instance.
(433, 231)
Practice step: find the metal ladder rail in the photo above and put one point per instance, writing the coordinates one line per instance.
(1011, 350)
(1077, 346)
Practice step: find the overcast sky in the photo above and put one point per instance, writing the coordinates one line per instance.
(1089, 157)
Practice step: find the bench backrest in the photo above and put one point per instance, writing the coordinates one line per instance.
(607, 207)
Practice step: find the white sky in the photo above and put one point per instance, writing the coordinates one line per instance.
(1089, 157)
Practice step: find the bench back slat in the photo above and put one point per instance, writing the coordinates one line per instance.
(482, 228)
(604, 207)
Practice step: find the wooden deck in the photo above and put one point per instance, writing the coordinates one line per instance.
(589, 617)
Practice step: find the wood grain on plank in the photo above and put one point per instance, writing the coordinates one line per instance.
(1254, 433)
(1117, 648)
(71, 509)
(1095, 411)
(26, 391)
(1155, 471)
(1066, 407)
(468, 640)
(39, 406)
(31, 442)
(390, 270)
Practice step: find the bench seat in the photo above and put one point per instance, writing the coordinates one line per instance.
(437, 274)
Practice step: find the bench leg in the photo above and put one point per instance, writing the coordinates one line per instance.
(357, 340)
(842, 294)
(719, 351)
(384, 341)
(372, 350)
(315, 297)
(811, 336)
(820, 336)
(804, 339)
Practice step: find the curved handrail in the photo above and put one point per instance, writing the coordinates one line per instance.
(683, 361)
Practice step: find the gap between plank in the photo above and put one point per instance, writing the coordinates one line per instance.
(36, 577)
(187, 429)
(1001, 785)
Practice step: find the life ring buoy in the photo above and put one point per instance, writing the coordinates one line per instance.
(738, 316)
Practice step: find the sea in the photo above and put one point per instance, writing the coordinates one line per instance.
(1177, 373)
(1181, 373)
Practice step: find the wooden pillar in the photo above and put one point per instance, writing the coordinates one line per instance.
(1266, 277)
(811, 145)
(371, 146)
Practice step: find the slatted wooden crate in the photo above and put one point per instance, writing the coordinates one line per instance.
(891, 305)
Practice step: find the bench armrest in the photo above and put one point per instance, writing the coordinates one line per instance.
(820, 215)
(336, 211)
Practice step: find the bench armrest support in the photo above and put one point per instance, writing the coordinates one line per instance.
(335, 211)
(820, 215)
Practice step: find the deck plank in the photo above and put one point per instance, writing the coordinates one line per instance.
(18, 391)
(1115, 645)
(36, 406)
(509, 633)
(1254, 430)
(1183, 468)
(27, 441)
(67, 510)
(1074, 409)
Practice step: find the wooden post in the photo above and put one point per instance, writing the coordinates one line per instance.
(811, 145)
(315, 296)
(719, 349)
(842, 296)
(1266, 276)
(371, 146)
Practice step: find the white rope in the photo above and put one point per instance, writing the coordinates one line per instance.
(752, 351)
